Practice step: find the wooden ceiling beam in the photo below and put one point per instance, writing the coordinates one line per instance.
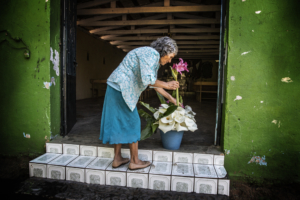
(93, 3)
(163, 9)
(205, 37)
(154, 22)
(98, 18)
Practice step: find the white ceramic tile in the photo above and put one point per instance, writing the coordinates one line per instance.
(45, 158)
(206, 186)
(221, 171)
(224, 187)
(75, 174)
(81, 161)
(207, 159)
(125, 153)
(95, 176)
(71, 149)
(145, 155)
(63, 160)
(205, 171)
(53, 148)
(115, 178)
(162, 156)
(182, 184)
(37, 170)
(100, 163)
(137, 180)
(218, 160)
(164, 168)
(56, 172)
(182, 157)
(105, 152)
(143, 171)
(183, 169)
(88, 150)
(158, 182)
(122, 168)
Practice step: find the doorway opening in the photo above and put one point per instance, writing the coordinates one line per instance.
(107, 30)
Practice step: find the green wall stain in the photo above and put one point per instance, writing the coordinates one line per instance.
(272, 41)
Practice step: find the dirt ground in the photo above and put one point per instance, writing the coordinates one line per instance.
(14, 173)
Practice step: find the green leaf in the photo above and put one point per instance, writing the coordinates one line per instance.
(180, 99)
(174, 94)
(170, 110)
(150, 128)
(148, 107)
(161, 98)
(174, 73)
(146, 132)
(154, 127)
(145, 115)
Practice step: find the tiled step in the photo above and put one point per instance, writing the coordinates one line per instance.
(170, 171)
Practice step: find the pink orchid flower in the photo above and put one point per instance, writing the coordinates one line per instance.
(180, 67)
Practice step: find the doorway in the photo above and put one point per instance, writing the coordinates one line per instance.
(105, 36)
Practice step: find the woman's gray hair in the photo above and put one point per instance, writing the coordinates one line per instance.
(165, 46)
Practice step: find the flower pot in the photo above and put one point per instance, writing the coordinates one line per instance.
(171, 139)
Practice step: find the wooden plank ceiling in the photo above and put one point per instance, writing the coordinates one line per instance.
(128, 24)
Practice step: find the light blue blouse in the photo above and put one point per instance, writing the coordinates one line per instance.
(137, 70)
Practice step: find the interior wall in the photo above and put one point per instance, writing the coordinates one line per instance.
(25, 112)
(91, 53)
(214, 77)
(261, 127)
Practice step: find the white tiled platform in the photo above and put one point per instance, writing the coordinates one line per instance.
(170, 171)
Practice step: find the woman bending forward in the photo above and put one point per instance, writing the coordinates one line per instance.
(120, 122)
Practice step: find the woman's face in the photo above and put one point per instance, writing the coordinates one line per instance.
(166, 59)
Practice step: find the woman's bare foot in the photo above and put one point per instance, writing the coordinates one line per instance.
(119, 161)
(138, 164)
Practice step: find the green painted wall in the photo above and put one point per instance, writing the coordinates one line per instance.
(263, 68)
(25, 101)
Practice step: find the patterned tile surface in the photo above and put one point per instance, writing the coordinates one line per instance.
(53, 148)
(145, 155)
(137, 180)
(182, 157)
(95, 176)
(159, 182)
(182, 184)
(164, 168)
(63, 160)
(115, 178)
(183, 169)
(75, 174)
(122, 168)
(45, 158)
(81, 161)
(37, 170)
(163, 156)
(88, 150)
(56, 172)
(221, 171)
(105, 152)
(72, 149)
(205, 171)
(224, 187)
(206, 186)
(100, 163)
(207, 159)
(218, 160)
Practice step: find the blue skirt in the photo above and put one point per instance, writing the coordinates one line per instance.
(118, 124)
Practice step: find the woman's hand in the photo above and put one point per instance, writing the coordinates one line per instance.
(173, 100)
(172, 85)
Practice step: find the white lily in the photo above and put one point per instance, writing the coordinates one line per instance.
(166, 127)
(180, 128)
(167, 119)
(193, 128)
(188, 110)
(189, 122)
(179, 118)
(180, 110)
(156, 114)
(164, 106)
(162, 110)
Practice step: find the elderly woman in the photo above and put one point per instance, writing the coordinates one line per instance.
(120, 123)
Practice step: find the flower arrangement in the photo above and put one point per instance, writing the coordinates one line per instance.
(169, 116)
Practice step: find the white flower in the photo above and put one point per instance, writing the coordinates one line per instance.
(180, 128)
(166, 127)
(162, 110)
(167, 119)
(188, 110)
(164, 106)
(156, 114)
(193, 128)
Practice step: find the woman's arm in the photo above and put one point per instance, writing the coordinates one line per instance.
(171, 85)
(166, 95)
